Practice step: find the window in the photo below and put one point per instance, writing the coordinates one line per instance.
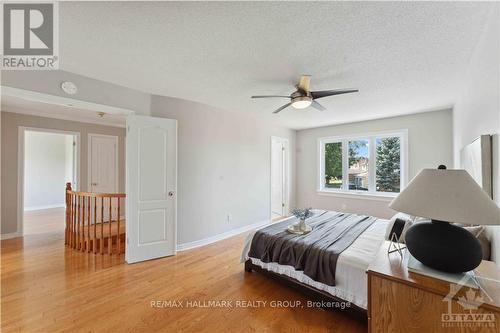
(363, 164)
(333, 165)
(359, 162)
(388, 167)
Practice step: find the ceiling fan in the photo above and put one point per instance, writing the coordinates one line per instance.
(303, 97)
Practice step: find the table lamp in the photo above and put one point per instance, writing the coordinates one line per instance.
(445, 197)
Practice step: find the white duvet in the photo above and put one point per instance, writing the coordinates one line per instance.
(350, 276)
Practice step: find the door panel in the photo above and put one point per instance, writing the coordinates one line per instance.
(151, 188)
(103, 163)
(152, 162)
(152, 226)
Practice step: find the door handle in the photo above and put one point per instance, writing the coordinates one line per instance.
(93, 184)
(171, 193)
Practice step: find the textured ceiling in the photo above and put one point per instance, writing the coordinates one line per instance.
(404, 57)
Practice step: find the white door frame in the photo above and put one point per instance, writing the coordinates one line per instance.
(286, 186)
(89, 159)
(20, 167)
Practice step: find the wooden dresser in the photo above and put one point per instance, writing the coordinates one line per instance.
(407, 302)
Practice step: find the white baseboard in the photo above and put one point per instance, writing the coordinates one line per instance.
(224, 235)
(32, 208)
(11, 235)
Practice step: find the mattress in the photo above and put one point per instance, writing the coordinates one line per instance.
(351, 279)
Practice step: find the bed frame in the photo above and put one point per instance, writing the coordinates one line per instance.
(311, 292)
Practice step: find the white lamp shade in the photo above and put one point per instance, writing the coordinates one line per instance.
(447, 195)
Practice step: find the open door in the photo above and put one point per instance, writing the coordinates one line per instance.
(279, 179)
(151, 216)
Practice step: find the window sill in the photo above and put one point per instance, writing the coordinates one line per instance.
(359, 195)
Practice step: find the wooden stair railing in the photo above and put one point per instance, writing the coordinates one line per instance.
(90, 226)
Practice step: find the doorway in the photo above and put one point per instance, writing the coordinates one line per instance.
(279, 177)
(48, 160)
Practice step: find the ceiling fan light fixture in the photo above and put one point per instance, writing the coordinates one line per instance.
(303, 97)
(301, 102)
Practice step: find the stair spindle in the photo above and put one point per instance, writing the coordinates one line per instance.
(118, 234)
(78, 222)
(83, 224)
(82, 215)
(94, 245)
(110, 238)
(102, 225)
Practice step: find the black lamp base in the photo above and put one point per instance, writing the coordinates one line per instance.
(444, 246)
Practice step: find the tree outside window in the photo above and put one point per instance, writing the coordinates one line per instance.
(373, 163)
(388, 175)
(333, 165)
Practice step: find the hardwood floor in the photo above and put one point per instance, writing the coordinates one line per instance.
(44, 221)
(47, 287)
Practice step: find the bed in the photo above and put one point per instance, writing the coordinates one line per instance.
(350, 281)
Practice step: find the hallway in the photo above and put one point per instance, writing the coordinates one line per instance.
(44, 221)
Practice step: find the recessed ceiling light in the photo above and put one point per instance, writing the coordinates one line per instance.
(69, 87)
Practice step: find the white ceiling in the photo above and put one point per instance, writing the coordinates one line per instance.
(404, 57)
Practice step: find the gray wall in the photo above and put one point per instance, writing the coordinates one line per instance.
(478, 109)
(223, 167)
(10, 123)
(224, 157)
(429, 144)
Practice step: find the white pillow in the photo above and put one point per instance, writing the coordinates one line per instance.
(398, 224)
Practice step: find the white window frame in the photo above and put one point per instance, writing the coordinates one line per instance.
(371, 136)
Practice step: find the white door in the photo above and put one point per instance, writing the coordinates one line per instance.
(278, 177)
(103, 163)
(151, 188)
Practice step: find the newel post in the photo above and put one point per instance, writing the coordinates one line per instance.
(68, 213)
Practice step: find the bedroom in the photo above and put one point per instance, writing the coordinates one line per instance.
(426, 76)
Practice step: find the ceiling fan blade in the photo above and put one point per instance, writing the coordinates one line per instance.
(326, 93)
(318, 106)
(304, 82)
(270, 96)
(283, 107)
